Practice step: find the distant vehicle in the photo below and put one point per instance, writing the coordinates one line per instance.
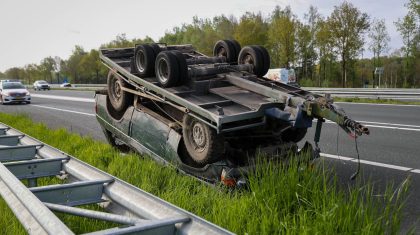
(14, 92)
(41, 85)
(66, 84)
(283, 75)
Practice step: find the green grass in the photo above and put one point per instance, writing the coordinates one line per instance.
(374, 101)
(281, 200)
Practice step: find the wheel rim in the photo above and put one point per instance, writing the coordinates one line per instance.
(163, 71)
(198, 137)
(140, 60)
(248, 59)
(221, 52)
(116, 91)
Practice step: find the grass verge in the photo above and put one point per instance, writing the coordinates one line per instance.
(281, 200)
(374, 101)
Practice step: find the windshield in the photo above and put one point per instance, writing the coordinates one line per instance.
(42, 82)
(13, 85)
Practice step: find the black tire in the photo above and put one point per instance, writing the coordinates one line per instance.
(167, 69)
(237, 47)
(266, 58)
(294, 134)
(144, 60)
(182, 67)
(203, 144)
(225, 48)
(118, 98)
(156, 48)
(252, 55)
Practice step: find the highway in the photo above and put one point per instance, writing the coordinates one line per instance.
(389, 154)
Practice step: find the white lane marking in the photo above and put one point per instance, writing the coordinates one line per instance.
(391, 126)
(403, 105)
(57, 97)
(394, 128)
(64, 110)
(379, 164)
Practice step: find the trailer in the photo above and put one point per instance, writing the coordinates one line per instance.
(208, 115)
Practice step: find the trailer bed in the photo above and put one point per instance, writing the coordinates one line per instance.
(224, 101)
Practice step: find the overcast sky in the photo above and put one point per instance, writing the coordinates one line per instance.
(31, 30)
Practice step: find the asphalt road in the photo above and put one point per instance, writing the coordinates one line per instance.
(391, 153)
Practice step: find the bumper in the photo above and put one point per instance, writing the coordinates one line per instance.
(42, 87)
(12, 99)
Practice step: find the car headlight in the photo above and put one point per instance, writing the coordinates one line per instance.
(27, 93)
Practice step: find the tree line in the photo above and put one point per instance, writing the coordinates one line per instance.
(324, 50)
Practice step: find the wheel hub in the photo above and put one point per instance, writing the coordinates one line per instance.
(248, 59)
(117, 89)
(198, 135)
(140, 60)
(163, 70)
(222, 52)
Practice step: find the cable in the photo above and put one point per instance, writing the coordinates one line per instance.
(358, 157)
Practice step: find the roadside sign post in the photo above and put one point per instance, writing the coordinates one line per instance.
(379, 71)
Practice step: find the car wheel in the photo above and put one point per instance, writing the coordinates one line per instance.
(203, 144)
(118, 98)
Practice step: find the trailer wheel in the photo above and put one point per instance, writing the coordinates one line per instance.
(144, 60)
(226, 49)
(203, 144)
(294, 134)
(182, 66)
(266, 58)
(167, 69)
(252, 55)
(118, 98)
(237, 47)
(156, 48)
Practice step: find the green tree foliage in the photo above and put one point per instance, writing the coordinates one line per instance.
(15, 73)
(282, 35)
(91, 68)
(72, 67)
(306, 43)
(347, 25)
(325, 47)
(409, 28)
(252, 29)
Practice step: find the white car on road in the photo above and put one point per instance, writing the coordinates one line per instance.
(41, 85)
(14, 92)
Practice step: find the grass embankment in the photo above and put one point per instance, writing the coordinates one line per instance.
(282, 200)
(374, 101)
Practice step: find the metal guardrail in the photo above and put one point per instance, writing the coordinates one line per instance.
(25, 158)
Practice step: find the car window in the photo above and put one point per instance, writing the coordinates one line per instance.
(13, 86)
